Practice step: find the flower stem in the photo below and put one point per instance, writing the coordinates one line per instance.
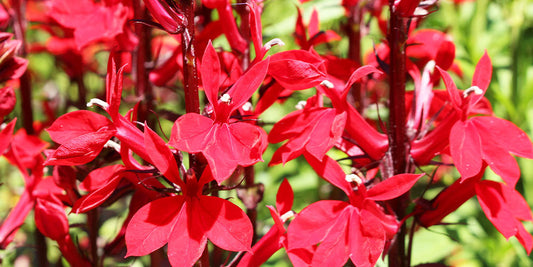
(19, 27)
(190, 72)
(141, 56)
(398, 145)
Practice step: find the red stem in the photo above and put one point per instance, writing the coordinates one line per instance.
(141, 56)
(353, 30)
(19, 27)
(398, 145)
(92, 224)
(190, 73)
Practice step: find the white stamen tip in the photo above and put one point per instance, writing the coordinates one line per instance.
(420, 12)
(225, 98)
(327, 84)
(98, 102)
(430, 66)
(353, 178)
(287, 215)
(474, 89)
(112, 144)
(273, 42)
(301, 105)
(247, 106)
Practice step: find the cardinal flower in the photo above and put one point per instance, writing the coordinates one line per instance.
(313, 129)
(474, 140)
(358, 229)
(276, 237)
(224, 143)
(185, 221)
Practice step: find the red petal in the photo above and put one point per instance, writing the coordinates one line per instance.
(331, 171)
(453, 93)
(367, 238)
(192, 133)
(161, 156)
(393, 187)
(7, 101)
(100, 176)
(236, 144)
(153, 224)
(81, 149)
(284, 197)
(6, 135)
(524, 237)
(210, 73)
(51, 219)
(491, 200)
(226, 225)
(187, 238)
(165, 15)
(76, 123)
(113, 86)
(245, 87)
(297, 69)
(506, 134)
(314, 222)
(97, 196)
(15, 219)
(334, 250)
(357, 75)
(465, 148)
(482, 76)
(263, 249)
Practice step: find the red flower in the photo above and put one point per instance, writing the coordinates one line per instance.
(224, 144)
(312, 129)
(276, 237)
(185, 221)
(483, 138)
(357, 230)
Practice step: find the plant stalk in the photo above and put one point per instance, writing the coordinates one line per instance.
(142, 55)
(398, 145)
(19, 27)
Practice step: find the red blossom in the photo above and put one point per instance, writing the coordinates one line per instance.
(483, 138)
(225, 144)
(185, 221)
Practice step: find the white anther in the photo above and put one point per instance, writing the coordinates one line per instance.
(247, 106)
(289, 214)
(430, 66)
(353, 178)
(327, 84)
(112, 144)
(474, 89)
(420, 12)
(273, 42)
(98, 102)
(301, 105)
(225, 98)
